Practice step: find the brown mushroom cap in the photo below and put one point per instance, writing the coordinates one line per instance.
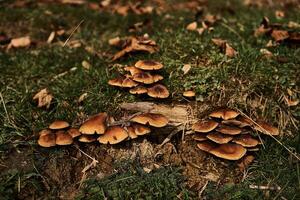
(200, 137)
(230, 114)
(189, 93)
(158, 91)
(113, 135)
(148, 65)
(229, 130)
(143, 77)
(264, 126)
(138, 90)
(59, 124)
(140, 129)
(131, 132)
(87, 138)
(245, 121)
(246, 140)
(206, 146)
(74, 132)
(63, 138)
(95, 124)
(219, 138)
(125, 82)
(205, 126)
(46, 138)
(156, 120)
(229, 151)
(133, 70)
(224, 114)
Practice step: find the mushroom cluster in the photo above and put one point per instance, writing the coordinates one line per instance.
(228, 135)
(142, 79)
(97, 128)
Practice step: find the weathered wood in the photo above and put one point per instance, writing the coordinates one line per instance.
(176, 114)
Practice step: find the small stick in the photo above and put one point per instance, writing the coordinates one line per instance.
(67, 40)
(64, 73)
(264, 187)
(202, 189)
(4, 106)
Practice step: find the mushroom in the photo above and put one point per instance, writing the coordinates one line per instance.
(133, 70)
(74, 132)
(189, 93)
(87, 138)
(140, 129)
(229, 151)
(63, 138)
(148, 65)
(146, 78)
(246, 140)
(131, 132)
(206, 146)
(200, 137)
(156, 120)
(125, 82)
(266, 128)
(95, 124)
(219, 138)
(138, 90)
(113, 135)
(158, 91)
(205, 126)
(59, 124)
(46, 138)
(224, 114)
(229, 130)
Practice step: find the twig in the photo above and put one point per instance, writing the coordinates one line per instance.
(64, 73)
(86, 154)
(174, 132)
(4, 106)
(202, 190)
(67, 40)
(268, 133)
(264, 187)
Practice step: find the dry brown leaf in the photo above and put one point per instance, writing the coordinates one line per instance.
(290, 102)
(51, 37)
(219, 42)
(122, 10)
(44, 98)
(270, 44)
(279, 35)
(20, 42)
(186, 68)
(279, 14)
(114, 41)
(266, 53)
(292, 24)
(82, 97)
(245, 162)
(261, 30)
(137, 44)
(86, 65)
(229, 51)
(192, 26)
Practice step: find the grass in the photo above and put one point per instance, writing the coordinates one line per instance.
(240, 81)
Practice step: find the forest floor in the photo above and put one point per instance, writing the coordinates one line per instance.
(262, 80)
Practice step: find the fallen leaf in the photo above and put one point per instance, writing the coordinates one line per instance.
(229, 51)
(44, 98)
(290, 102)
(279, 35)
(292, 24)
(192, 26)
(200, 30)
(137, 44)
(122, 10)
(279, 14)
(82, 97)
(266, 53)
(114, 41)
(51, 37)
(86, 65)
(20, 42)
(270, 44)
(186, 68)
(261, 30)
(245, 162)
